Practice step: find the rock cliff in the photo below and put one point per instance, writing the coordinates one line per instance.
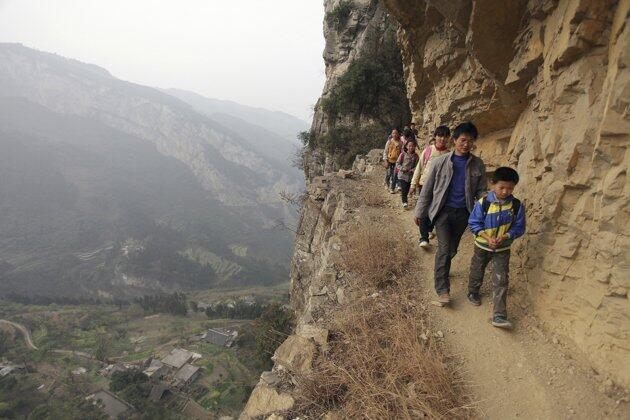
(361, 55)
(546, 82)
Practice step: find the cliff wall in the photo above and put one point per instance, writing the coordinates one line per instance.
(364, 94)
(546, 82)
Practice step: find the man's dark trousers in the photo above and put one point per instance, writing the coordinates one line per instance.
(450, 225)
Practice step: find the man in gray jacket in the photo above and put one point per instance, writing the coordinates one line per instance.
(448, 196)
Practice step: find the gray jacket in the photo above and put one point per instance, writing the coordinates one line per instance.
(435, 190)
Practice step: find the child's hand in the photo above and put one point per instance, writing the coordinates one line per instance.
(500, 239)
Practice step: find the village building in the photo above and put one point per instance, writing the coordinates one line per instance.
(156, 370)
(186, 375)
(178, 358)
(159, 393)
(219, 337)
(114, 407)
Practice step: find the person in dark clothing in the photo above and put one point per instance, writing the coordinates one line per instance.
(455, 181)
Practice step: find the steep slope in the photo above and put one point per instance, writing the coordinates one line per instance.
(264, 132)
(89, 211)
(492, 373)
(547, 84)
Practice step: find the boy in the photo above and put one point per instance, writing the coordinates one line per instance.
(439, 148)
(455, 181)
(405, 165)
(496, 221)
(392, 150)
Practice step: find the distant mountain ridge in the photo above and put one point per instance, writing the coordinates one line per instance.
(278, 122)
(151, 194)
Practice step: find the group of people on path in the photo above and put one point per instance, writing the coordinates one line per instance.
(453, 195)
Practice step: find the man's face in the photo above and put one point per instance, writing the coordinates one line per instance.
(440, 141)
(464, 143)
(503, 189)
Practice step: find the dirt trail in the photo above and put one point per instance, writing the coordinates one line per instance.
(23, 330)
(523, 373)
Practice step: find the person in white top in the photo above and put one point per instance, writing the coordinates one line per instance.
(440, 139)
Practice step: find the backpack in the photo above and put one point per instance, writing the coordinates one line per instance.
(516, 206)
(393, 152)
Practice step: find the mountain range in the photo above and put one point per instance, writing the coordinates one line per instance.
(110, 188)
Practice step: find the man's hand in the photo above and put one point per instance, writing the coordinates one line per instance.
(416, 220)
(412, 190)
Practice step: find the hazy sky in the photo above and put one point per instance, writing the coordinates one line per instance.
(260, 53)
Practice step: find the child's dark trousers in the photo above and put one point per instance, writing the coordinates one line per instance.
(500, 270)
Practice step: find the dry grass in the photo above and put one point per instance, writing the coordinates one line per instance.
(377, 254)
(373, 198)
(383, 364)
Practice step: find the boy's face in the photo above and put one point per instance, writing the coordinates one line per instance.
(503, 189)
(464, 143)
(440, 142)
(411, 148)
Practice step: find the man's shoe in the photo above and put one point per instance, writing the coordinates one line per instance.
(444, 298)
(424, 244)
(474, 298)
(501, 322)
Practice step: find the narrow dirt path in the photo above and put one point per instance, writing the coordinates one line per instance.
(520, 373)
(23, 330)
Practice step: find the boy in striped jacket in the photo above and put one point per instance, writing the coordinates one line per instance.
(496, 221)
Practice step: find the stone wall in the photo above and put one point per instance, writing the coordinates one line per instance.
(546, 82)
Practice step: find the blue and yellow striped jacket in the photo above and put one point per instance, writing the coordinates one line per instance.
(499, 220)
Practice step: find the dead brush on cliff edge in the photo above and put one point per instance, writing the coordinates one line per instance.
(384, 363)
(378, 255)
(373, 198)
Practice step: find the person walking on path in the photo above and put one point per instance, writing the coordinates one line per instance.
(439, 148)
(392, 150)
(455, 181)
(496, 221)
(405, 165)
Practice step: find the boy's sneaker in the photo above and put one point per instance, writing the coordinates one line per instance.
(391, 191)
(474, 298)
(405, 205)
(444, 298)
(424, 244)
(501, 322)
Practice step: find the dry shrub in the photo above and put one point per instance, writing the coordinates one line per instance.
(382, 364)
(376, 254)
(373, 198)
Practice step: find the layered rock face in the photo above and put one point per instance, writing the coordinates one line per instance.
(360, 28)
(546, 82)
(346, 43)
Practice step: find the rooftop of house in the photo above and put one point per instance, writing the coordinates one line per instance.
(185, 373)
(112, 405)
(178, 358)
